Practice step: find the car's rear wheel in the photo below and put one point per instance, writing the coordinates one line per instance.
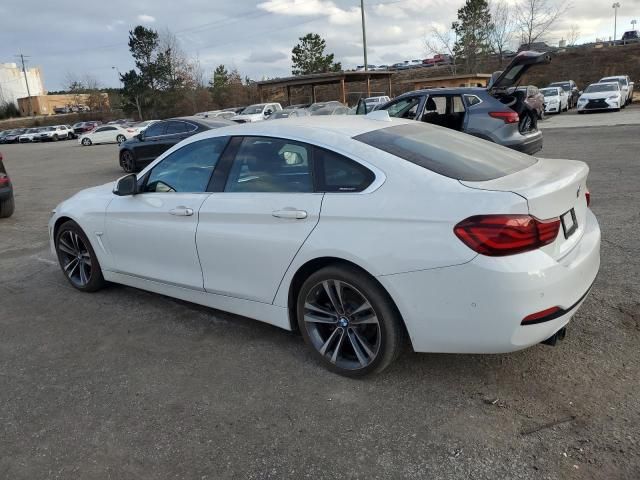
(127, 161)
(77, 258)
(7, 207)
(527, 122)
(120, 138)
(349, 321)
(55, 138)
(86, 142)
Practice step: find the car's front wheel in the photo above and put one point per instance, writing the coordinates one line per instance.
(349, 321)
(127, 161)
(7, 207)
(120, 139)
(77, 258)
(86, 142)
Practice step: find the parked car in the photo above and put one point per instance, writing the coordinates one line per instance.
(30, 135)
(626, 87)
(145, 147)
(106, 134)
(216, 114)
(374, 102)
(289, 113)
(497, 113)
(13, 136)
(570, 87)
(55, 133)
(601, 96)
(229, 219)
(318, 105)
(7, 204)
(3, 135)
(234, 109)
(256, 113)
(84, 127)
(332, 110)
(534, 99)
(555, 99)
(630, 37)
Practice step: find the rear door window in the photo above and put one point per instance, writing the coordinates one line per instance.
(446, 152)
(336, 173)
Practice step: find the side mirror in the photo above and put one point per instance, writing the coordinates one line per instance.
(127, 185)
(361, 109)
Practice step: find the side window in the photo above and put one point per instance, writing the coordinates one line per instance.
(336, 173)
(101, 129)
(188, 169)
(458, 106)
(265, 164)
(175, 128)
(104, 129)
(472, 100)
(405, 108)
(436, 104)
(155, 130)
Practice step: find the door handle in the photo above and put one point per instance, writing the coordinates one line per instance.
(181, 211)
(290, 213)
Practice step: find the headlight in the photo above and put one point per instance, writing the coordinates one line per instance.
(613, 97)
(582, 100)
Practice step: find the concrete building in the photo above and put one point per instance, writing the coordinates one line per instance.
(46, 104)
(12, 83)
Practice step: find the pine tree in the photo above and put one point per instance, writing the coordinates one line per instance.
(472, 30)
(308, 56)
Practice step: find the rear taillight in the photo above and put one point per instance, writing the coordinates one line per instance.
(500, 235)
(506, 117)
(587, 196)
(4, 179)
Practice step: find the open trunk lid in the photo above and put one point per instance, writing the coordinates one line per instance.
(553, 188)
(511, 75)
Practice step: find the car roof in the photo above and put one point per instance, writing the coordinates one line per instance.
(446, 90)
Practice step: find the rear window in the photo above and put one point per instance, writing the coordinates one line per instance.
(447, 153)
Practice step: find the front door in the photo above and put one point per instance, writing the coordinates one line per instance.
(249, 233)
(153, 234)
(149, 147)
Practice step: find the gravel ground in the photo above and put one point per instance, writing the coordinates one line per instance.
(128, 384)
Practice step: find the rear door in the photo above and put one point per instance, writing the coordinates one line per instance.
(253, 226)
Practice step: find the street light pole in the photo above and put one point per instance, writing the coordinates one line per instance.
(119, 75)
(615, 7)
(364, 36)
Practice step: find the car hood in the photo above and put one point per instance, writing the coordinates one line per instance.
(512, 74)
(594, 95)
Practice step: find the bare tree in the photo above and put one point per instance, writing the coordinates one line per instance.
(441, 41)
(502, 27)
(534, 18)
(573, 34)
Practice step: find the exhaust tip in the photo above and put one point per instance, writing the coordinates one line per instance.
(553, 339)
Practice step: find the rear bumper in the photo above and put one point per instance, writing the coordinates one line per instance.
(529, 144)
(478, 307)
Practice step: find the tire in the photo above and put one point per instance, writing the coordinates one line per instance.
(528, 122)
(580, 112)
(128, 162)
(120, 138)
(359, 331)
(86, 142)
(55, 138)
(77, 258)
(7, 207)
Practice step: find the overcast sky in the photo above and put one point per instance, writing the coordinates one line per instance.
(255, 36)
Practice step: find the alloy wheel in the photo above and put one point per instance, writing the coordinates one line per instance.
(342, 324)
(75, 258)
(120, 139)
(127, 161)
(86, 141)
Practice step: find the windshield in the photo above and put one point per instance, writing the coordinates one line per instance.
(565, 86)
(446, 152)
(549, 92)
(602, 87)
(32, 130)
(621, 81)
(48, 129)
(253, 109)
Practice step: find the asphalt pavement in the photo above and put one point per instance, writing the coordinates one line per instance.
(128, 384)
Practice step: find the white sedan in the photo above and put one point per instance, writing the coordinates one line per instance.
(106, 134)
(356, 231)
(601, 96)
(555, 100)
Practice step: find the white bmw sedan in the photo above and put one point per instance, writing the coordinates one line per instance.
(360, 232)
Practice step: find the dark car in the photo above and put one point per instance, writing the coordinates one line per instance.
(84, 127)
(630, 36)
(12, 136)
(571, 88)
(498, 113)
(139, 151)
(7, 205)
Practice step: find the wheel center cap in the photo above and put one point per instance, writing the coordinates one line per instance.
(343, 322)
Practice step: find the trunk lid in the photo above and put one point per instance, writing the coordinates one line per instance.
(553, 188)
(501, 81)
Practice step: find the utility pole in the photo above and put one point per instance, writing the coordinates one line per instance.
(364, 36)
(615, 7)
(26, 81)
